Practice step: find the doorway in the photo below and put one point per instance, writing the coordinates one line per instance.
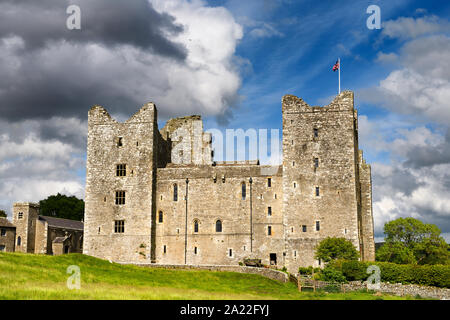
(273, 259)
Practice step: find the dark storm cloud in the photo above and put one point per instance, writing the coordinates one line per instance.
(110, 22)
(48, 70)
(425, 156)
(400, 180)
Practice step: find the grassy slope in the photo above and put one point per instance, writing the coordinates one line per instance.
(27, 276)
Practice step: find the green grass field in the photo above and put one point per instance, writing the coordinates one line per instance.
(28, 276)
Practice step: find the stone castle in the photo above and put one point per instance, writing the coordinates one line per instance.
(149, 200)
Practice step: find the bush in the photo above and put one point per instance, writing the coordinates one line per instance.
(308, 270)
(332, 275)
(354, 270)
(429, 275)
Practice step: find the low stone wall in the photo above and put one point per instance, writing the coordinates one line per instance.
(403, 289)
(265, 272)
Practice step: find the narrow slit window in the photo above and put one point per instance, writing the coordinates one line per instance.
(119, 142)
(196, 226)
(317, 225)
(317, 191)
(269, 211)
(316, 132)
(165, 249)
(230, 252)
(218, 226)
(244, 191)
(316, 162)
(175, 192)
(195, 250)
(160, 217)
(269, 182)
(269, 230)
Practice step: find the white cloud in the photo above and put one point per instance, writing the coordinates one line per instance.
(406, 27)
(420, 85)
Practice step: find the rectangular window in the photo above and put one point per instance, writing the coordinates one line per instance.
(269, 230)
(317, 225)
(20, 215)
(165, 249)
(317, 191)
(316, 162)
(316, 132)
(195, 250)
(230, 252)
(269, 211)
(120, 197)
(304, 228)
(3, 232)
(269, 182)
(119, 142)
(121, 170)
(2, 248)
(119, 226)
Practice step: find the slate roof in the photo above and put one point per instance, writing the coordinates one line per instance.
(63, 223)
(6, 223)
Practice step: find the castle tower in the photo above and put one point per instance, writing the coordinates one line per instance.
(120, 185)
(321, 179)
(25, 217)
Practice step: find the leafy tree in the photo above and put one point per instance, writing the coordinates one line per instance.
(62, 206)
(409, 240)
(395, 252)
(336, 248)
(3, 214)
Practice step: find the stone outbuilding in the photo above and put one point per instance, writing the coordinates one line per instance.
(43, 234)
(7, 235)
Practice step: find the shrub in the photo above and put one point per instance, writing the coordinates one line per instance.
(354, 270)
(308, 270)
(332, 275)
(430, 275)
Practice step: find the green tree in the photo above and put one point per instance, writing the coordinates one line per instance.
(336, 248)
(62, 206)
(3, 214)
(409, 240)
(395, 252)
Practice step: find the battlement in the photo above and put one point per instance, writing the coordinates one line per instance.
(342, 102)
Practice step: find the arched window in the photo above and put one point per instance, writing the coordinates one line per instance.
(19, 240)
(218, 226)
(244, 190)
(196, 226)
(175, 192)
(160, 217)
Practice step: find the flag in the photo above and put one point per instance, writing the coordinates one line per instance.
(336, 66)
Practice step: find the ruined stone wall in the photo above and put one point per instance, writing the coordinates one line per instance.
(367, 232)
(103, 155)
(188, 143)
(318, 152)
(215, 193)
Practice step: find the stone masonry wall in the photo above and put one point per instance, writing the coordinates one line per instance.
(215, 193)
(319, 153)
(103, 155)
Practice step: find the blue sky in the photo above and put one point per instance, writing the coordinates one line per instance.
(230, 61)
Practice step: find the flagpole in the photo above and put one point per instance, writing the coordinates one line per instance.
(339, 70)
